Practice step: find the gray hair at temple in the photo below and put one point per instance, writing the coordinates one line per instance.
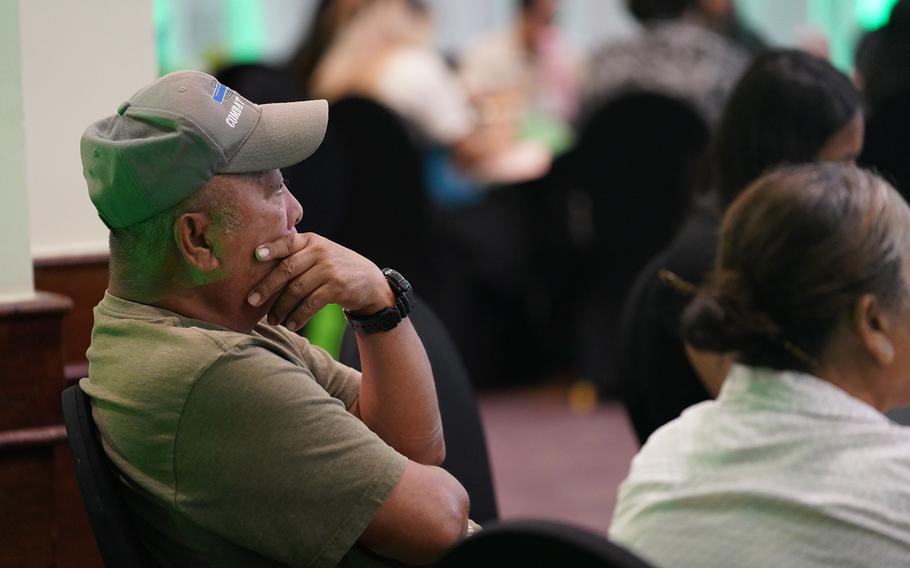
(143, 256)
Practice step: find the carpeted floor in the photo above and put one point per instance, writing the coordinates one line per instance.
(554, 461)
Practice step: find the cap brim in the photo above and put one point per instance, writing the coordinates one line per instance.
(287, 133)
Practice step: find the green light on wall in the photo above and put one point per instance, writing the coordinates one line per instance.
(167, 40)
(245, 30)
(873, 14)
(838, 19)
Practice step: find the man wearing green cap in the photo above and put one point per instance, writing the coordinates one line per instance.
(239, 443)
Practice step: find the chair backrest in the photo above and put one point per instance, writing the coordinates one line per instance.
(466, 448)
(887, 138)
(364, 189)
(637, 158)
(100, 489)
(628, 184)
(540, 543)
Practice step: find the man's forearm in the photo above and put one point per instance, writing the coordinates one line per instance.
(397, 394)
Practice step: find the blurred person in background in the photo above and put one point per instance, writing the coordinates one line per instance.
(527, 71)
(674, 55)
(789, 107)
(381, 49)
(883, 73)
(795, 463)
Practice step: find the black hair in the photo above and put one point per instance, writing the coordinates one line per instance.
(783, 110)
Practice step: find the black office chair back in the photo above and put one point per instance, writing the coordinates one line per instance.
(629, 183)
(887, 139)
(100, 489)
(637, 159)
(539, 543)
(466, 448)
(364, 189)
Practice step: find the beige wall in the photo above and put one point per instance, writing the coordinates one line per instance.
(79, 61)
(15, 261)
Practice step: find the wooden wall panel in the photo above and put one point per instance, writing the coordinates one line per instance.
(43, 522)
(27, 535)
(83, 279)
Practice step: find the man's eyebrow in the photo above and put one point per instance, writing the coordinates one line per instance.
(270, 181)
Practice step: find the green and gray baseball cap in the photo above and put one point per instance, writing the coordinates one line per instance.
(172, 136)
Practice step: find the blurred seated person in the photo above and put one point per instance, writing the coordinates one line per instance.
(789, 107)
(529, 72)
(238, 442)
(883, 73)
(381, 50)
(795, 463)
(674, 56)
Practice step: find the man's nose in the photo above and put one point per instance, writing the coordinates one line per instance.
(294, 209)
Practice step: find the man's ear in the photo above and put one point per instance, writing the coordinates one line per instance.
(192, 232)
(873, 326)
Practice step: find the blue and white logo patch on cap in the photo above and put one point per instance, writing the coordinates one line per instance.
(220, 93)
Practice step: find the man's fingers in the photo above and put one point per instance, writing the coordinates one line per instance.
(283, 246)
(315, 301)
(294, 293)
(287, 269)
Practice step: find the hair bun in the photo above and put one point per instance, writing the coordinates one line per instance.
(723, 317)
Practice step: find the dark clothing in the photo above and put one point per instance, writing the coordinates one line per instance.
(657, 378)
(887, 140)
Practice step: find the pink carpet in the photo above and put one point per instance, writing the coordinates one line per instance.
(550, 462)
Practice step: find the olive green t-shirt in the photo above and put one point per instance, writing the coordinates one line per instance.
(235, 449)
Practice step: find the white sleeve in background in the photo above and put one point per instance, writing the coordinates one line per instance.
(418, 85)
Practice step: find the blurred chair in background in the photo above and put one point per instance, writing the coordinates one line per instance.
(888, 140)
(881, 58)
(466, 449)
(384, 212)
(265, 83)
(628, 185)
(883, 73)
(539, 543)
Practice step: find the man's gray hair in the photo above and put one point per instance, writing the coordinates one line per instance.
(143, 255)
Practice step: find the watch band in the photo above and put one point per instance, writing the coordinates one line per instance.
(386, 318)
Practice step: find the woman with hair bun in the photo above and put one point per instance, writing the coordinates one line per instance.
(794, 464)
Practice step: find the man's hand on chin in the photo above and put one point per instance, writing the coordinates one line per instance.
(311, 271)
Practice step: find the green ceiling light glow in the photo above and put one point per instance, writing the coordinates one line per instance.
(873, 14)
(838, 19)
(245, 30)
(167, 39)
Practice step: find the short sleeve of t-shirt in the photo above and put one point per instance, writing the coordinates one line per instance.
(265, 457)
(339, 380)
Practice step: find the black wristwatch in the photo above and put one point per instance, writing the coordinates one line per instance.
(386, 318)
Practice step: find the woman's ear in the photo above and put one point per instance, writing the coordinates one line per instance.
(192, 232)
(873, 326)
